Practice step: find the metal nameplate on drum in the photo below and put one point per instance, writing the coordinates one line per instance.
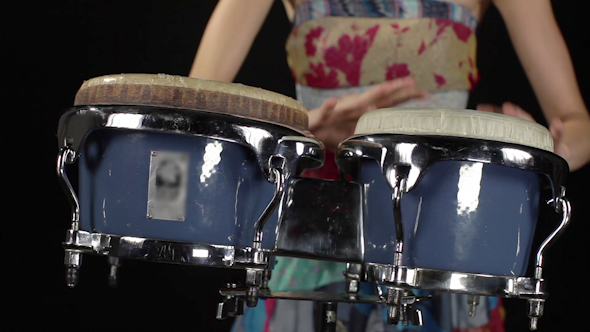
(168, 184)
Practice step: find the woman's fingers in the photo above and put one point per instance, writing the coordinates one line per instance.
(332, 135)
(557, 129)
(393, 92)
(317, 116)
(386, 94)
(400, 96)
(336, 119)
(327, 107)
(509, 108)
(385, 89)
(489, 108)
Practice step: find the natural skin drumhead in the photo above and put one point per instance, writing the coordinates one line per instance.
(193, 93)
(457, 123)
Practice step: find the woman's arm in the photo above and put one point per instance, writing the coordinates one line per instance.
(228, 37)
(545, 58)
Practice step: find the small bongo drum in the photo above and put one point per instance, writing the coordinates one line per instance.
(180, 170)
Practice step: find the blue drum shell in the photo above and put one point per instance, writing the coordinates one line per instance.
(222, 204)
(462, 216)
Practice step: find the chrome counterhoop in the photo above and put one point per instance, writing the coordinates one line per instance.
(452, 281)
(413, 155)
(263, 138)
(163, 251)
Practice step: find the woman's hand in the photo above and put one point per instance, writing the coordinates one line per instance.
(556, 127)
(335, 120)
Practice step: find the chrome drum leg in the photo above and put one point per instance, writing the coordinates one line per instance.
(326, 316)
(72, 261)
(114, 263)
(473, 302)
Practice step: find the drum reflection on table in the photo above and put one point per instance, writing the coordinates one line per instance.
(206, 173)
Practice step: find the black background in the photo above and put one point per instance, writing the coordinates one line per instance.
(51, 47)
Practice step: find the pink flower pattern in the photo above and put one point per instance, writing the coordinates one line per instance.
(422, 48)
(440, 80)
(397, 70)
(310, 48)
(340, 64)
(463, 32)
(320, 79)
(348, 55)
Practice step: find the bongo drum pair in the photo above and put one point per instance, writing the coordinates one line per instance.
(207, 173)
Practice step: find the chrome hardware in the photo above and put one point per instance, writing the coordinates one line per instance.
(401, 307)
(279, 180)
(253, 282)
(266, 275)
(536, 305)
(72, 261)
(398, 190)
(326, 316)
(73, 258)
(353, 278)
(534, 312)
(379, 292)
(452, 281)
(564, 207)
(298, 153)
(328, 227)
(473, 302)
(257, 278)
(67, 156)
(263, 138)
(114, 263)
(418, 153)
(394, 302)
(308, 296)
(407, 301)
(155, 250)
(231, 306)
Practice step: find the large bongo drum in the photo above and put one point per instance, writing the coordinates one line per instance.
(459, 214)
(180, 170)
(451, 200)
